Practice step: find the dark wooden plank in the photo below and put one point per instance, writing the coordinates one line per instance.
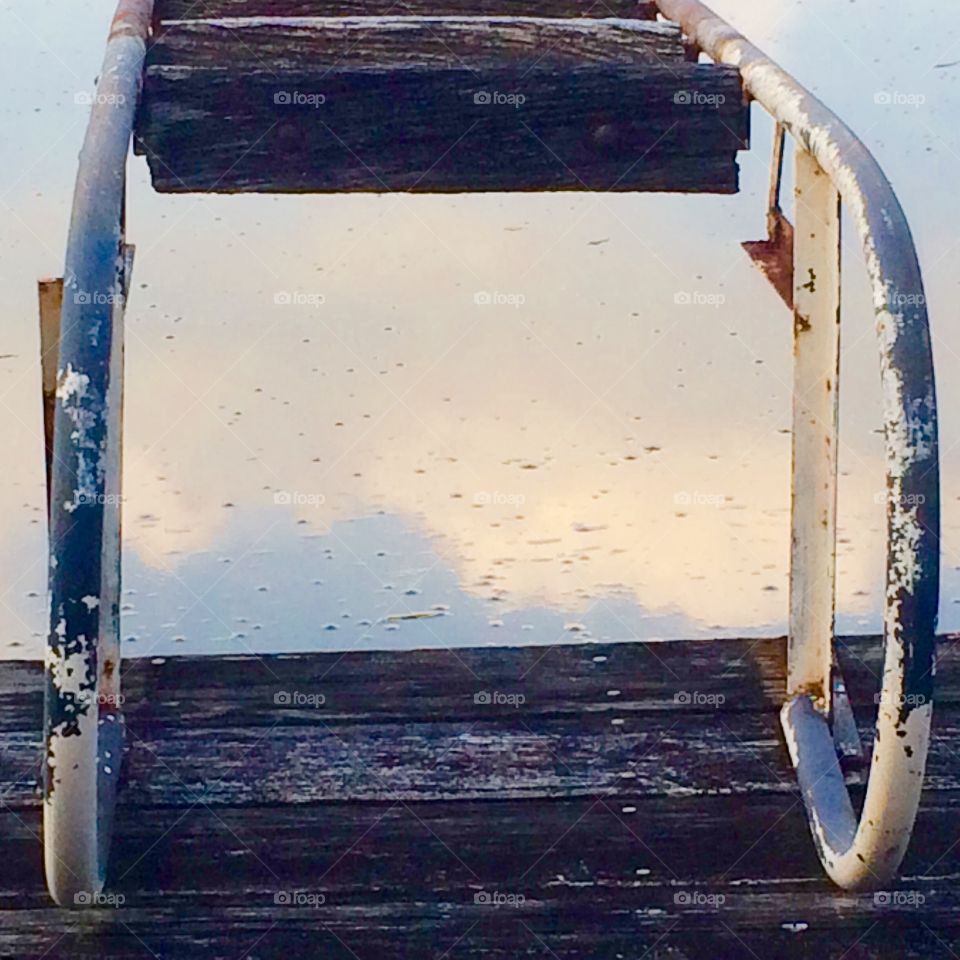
(211, 9)
(367, 854)
(518, 758)
(750, 926)
(515, 757)
(445, 684)
(323, 43)
(437, 105)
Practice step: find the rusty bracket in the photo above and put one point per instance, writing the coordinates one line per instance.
(774, 256)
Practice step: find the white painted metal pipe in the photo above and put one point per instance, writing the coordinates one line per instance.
(83, 728)
(866, 853)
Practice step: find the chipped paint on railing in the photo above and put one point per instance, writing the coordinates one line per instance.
(868, 852)
(78, 785)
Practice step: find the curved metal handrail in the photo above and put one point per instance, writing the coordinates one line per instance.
(866, 853)
(82, 719)
(83, 725)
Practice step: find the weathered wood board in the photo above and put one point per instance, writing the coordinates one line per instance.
(436, 105)
(165, 10)
(575, 801)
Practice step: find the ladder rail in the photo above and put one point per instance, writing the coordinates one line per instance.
(82, 718)
(868, 852)
(83, 722)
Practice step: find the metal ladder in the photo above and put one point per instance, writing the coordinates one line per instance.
(82, 325)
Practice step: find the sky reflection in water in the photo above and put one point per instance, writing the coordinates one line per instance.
(358, 422)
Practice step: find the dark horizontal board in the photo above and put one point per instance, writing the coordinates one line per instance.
(370, 854)
(507, 758)
(437, 105)
(584, 128)
(448, 684)
(211, 9)
(375, 43)
(751, 925)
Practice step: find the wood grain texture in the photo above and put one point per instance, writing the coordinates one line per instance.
(437, 106)
(435, 685)
(638, 798)
(211, 9)
(378, 43)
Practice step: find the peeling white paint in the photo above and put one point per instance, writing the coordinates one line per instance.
(856, 853)
(71, 383)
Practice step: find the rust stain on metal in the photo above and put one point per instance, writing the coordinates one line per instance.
(774, 256)
(132, 20)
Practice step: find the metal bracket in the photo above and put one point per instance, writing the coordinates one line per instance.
(774, 256)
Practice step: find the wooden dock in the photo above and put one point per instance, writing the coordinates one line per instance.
(581, 801)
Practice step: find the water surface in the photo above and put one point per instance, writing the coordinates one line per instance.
(359, 422)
